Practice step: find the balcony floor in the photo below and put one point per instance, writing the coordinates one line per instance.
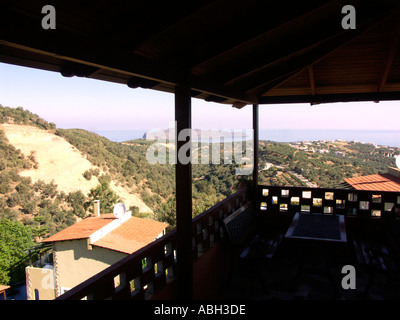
(305, 270)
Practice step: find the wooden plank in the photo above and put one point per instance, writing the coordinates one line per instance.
(330, 98)
(257, 29)
(312, 80)
(389, 60)
(261, 83)
(101, 53)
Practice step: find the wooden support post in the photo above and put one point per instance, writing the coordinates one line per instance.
(256, 142)
(183, 176)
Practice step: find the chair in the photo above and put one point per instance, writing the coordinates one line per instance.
(243, 232)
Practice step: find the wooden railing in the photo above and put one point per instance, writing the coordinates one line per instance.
(149, 270)
(352, 203)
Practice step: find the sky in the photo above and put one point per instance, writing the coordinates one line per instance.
(99, 105)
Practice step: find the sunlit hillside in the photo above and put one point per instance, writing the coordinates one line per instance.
(59, 161)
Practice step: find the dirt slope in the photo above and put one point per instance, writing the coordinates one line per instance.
(60, 161)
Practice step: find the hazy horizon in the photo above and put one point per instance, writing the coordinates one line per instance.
(98, 105)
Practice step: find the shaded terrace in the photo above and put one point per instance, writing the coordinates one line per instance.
(236, 53)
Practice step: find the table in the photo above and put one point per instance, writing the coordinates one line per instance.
(317, 226)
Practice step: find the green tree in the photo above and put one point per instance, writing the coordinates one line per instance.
(166, 213)
(108, 198)
(14, 239)
(40, 229)
(77, 201)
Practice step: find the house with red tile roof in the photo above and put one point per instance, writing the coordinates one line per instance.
(377, 182)
(88, 247)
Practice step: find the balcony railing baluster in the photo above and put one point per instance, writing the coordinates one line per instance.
(147, 272)
(357, 203)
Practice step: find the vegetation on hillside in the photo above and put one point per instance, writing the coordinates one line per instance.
(127, 164)
(34, 211)
(45, 210)
(326, 164)
(21, 116)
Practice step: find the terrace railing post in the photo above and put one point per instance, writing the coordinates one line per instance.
(183, 176)
(256, 141)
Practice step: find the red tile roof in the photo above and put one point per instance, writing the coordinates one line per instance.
(132, 235)
(375, 182)
(82, 229)
(129, 237)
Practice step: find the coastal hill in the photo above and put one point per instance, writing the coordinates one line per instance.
(59, 161)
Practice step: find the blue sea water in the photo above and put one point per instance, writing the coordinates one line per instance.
(380, 137)
(121, 135)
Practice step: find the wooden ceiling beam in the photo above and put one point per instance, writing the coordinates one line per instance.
(136, 82)
(261, 83)
(84, 51)
(300, 39)
(285, 53)
(331, 98)
(390, 57)
(133, 33)
(324, 37)
(254, 29)
(213, 88)
(71, 69)
(70, 47)
(88, 53)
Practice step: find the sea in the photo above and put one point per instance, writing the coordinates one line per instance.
(389, 138)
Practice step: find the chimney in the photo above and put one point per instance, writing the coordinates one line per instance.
(97, 208)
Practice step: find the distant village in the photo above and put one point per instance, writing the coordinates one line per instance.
(334, 146)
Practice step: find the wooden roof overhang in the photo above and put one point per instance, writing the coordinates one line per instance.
(233, 52)
(226, 51)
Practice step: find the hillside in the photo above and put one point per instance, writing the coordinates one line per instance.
(74, 162)
(50, 177)
(59, 161)
(322, 163)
